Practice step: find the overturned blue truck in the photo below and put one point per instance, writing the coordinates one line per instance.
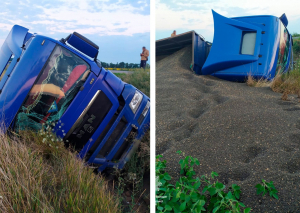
(260, 46)
(62, 84)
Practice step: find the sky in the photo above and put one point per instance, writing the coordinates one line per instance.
(119, 27)
(186, 15)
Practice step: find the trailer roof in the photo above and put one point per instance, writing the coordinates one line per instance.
(167, 46)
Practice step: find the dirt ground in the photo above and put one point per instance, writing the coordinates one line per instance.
(243, 133)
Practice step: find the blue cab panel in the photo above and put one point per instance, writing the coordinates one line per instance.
(62, 84)
(255, 45)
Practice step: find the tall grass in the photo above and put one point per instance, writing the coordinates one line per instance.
(140, 79)
(132, 177)
(38, 174)
(287, 83)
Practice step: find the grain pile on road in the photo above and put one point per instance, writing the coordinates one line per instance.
(243, 133)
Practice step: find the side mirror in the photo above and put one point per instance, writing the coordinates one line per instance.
(82, 44)
(284, 20)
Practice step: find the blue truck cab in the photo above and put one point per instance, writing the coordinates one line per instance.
(62, 85)
(260, 46)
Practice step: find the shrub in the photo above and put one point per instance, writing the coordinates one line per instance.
(266, 187)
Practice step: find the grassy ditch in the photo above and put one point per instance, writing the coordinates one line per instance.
(38, 174)
(133, 182)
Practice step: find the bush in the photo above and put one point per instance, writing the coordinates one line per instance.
(296, 47)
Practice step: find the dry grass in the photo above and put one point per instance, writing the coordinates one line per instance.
(288, 83)
(39, 175)
(257, 83)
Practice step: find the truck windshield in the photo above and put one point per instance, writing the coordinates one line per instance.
(284, 46)
(55, 88)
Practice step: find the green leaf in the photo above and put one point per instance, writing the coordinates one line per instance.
(167, 176)
(202, 203)
(235, 187)
(275, 196)
(216, 209)
(258, 186)
(242, 205)
(229, 195)
(247, 210)
(167, 207)
(212, 191)
(197, 185)
(214, 174)
(182, 206)
(182, 196)
(260, 189)
(205, 189)
(237, 194)
(160, 208)
(179, 152)
(219, 185)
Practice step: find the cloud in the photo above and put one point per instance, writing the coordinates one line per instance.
(196, 15)
(102, 19)
(106, 17)
(6, 27)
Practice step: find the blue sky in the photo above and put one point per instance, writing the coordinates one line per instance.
(186, 15)
(119, 27)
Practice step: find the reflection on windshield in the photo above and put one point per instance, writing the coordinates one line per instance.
(283, 49)
(54, 90)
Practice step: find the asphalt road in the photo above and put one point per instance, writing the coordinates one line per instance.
(121, 71)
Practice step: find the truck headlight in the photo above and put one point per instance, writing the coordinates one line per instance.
(136, 101)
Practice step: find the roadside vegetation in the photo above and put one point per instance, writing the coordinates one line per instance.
(38, 174)
(128, 69)
(140, 79)
(287, 83)
(199, 194)
(133, 182)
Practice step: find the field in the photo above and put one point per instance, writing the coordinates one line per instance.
(38, 174)
(128, 69)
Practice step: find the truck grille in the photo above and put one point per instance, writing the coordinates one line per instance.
(125, 146)
(113, 138)
(89, 120)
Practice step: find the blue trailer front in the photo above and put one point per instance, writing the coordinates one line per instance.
(61, 84)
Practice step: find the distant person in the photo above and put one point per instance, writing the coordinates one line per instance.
(144, 57)
(173, 34)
